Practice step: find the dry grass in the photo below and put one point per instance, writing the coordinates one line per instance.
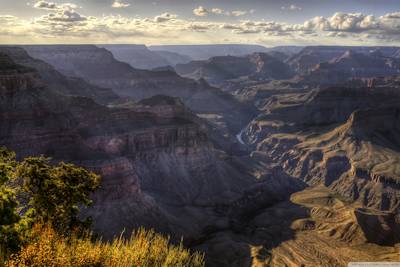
(144, 248)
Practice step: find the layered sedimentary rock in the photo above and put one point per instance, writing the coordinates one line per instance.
(257, 66)
(289, 113)
(98, 66)
(311, 56)
(338, 148)
(344, 138)
(158, 167)
(352, 65)
(154, 168)
(344, 143)
(64, 85)
(314, 228)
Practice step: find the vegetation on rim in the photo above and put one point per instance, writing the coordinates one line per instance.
(39, 224)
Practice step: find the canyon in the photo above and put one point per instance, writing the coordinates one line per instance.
(283, 156)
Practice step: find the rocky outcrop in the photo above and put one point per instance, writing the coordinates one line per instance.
(356, 159)
(352, 65)
(288, 113)
(98, 66)
(154, 168)
(216, 70)
(58, 82)
(311, 56)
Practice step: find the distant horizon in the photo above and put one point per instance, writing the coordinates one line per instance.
(205, 44)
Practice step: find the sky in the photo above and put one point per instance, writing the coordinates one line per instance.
(152, 22)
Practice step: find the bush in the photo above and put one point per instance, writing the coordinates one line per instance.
(55, 192)
(144, 248)
(9, 219)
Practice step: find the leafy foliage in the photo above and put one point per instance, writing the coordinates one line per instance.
(9, 237)
(53, 195)
(56, 192)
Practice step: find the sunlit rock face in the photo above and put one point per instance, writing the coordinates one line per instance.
(343, 138)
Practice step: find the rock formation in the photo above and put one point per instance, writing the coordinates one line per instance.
(352, 65)
(140, 57)
(216, 70)
(98, 66)
(57, 81)
(158, 166)
(315, 182)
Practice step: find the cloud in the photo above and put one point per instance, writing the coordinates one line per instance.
(53, 6)
(347, 22)
(64, 23)
(292, 8)
(218, 11)
(165, 17)
(199, 27)
(65, 16)
(238, 13)
(6, 18)
(119, 4)
(395, 15)
(45, 5)
(201, 11)
(60, 13)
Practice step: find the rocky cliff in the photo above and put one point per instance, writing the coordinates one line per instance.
(57, 81)
(154, 168)
(319, 188)
(345, 138)
(311, 56)
(138, 56)
(257, 66)
(352, 65)
(98, 66)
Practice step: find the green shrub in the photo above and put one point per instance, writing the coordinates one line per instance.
(55, 192)
(9, 219)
